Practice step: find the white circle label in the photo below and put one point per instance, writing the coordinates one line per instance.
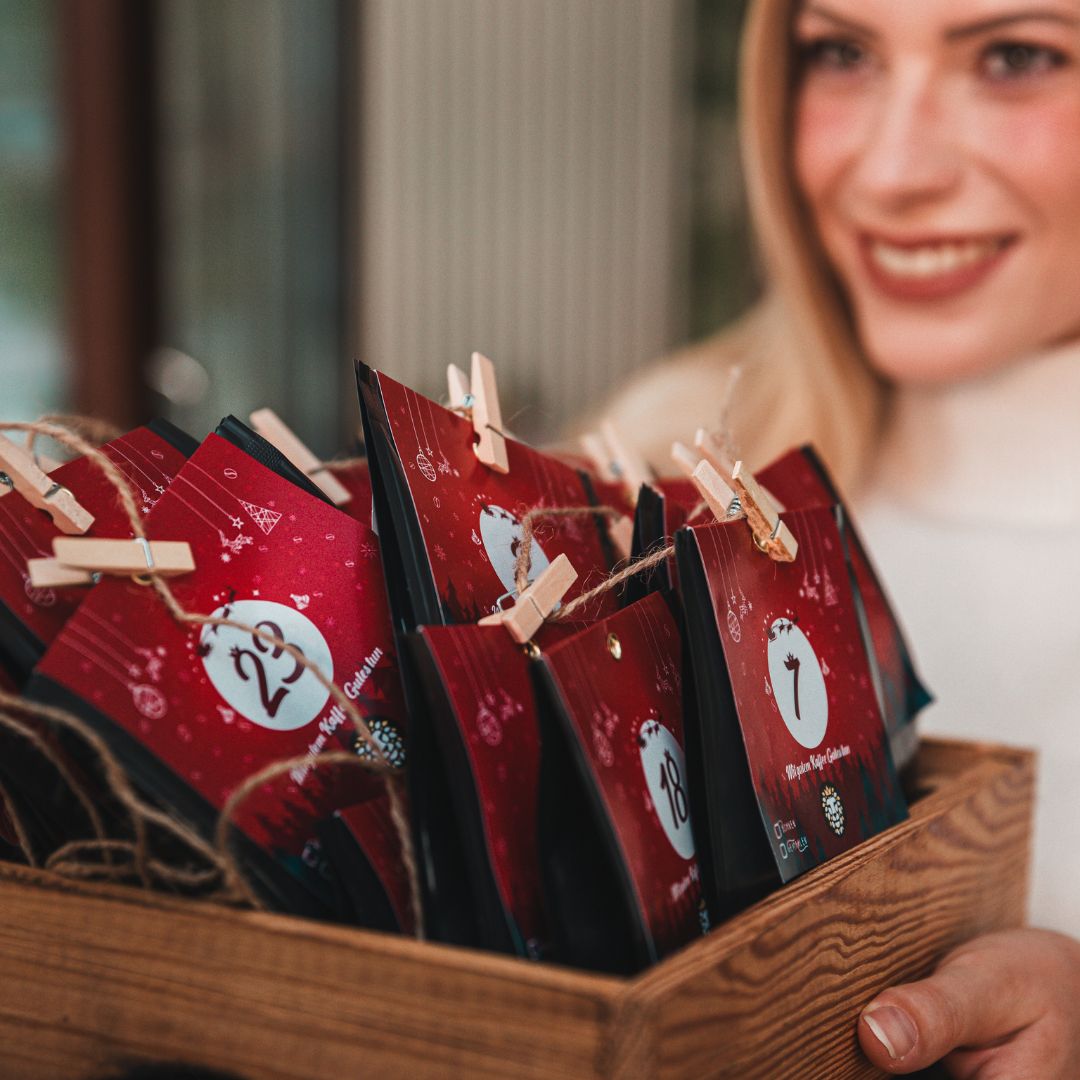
(262, 681)
(797, 683)
(665, 773)
(501, 534)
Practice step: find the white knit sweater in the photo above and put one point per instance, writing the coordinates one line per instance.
(972, 514)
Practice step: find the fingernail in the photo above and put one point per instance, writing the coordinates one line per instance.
(893, 1028)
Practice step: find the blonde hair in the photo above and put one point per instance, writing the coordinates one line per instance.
(803, 377)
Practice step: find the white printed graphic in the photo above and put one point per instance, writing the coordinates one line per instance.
(264, 518)
(261, 681)
(834, 809)
(501, 534)
(797, 683)
(665, 773)
(427, 470)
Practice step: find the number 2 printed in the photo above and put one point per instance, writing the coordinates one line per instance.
(271, 703)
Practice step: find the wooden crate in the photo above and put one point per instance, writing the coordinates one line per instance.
(91, 976)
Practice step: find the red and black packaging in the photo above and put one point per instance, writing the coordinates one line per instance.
(480, 700)
(799, 480)
(355, 477)
(454, 522)
(664, 506)
(621, 876)
(30, 618)
(450, 531)
(790, 763)
(363, 845)
(193, 711)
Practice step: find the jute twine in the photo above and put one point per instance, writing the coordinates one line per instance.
(220, 854)
(637, 566)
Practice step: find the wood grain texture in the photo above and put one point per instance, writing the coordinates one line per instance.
(94, 975)
(777, 992)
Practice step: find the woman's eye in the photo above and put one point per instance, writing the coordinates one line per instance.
(833, 54)
(1015, 60)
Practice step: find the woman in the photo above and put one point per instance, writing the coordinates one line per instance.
(914, 173)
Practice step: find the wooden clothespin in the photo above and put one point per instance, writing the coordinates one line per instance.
(685, 459)
(621, 535)
(490, 447)
(629, 466)
(537, 602)
(713, 489)
(82, 560)
(770, 534)
(45, 463)
(21, 472)
(457, 386)
(615, 460)
(596, 449)
(710, 449)
(274, 430)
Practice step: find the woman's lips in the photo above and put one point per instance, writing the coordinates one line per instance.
(931, 269)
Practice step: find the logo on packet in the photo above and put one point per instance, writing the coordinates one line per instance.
(834, 809)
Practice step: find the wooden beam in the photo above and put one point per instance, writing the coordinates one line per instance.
(106, 56)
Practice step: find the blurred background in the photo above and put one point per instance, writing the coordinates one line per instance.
(207, 206)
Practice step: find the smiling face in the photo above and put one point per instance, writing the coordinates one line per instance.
(937, 146)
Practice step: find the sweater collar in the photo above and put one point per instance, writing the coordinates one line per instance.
(1004, 446)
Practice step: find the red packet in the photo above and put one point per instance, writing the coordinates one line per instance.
(620, 867)
(480, 703)
(355, 477)
(194, 711)
(452, 525)
(451, 529)
(363, 845)
(790, 760)
(30, 618)
(799, 480)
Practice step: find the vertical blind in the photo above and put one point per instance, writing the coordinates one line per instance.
(522, 179)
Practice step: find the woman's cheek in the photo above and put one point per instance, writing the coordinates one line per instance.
(827, 138)
(1035, 151)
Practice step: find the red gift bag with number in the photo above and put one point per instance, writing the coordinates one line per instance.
(800, 480)
(193, 711)
(617, 845)
(789, 758)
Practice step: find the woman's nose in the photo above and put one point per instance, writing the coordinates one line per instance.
(912, 151)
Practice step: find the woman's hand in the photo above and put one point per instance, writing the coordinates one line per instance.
(1002, 1007)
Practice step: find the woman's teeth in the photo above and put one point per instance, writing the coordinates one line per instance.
(932, 260)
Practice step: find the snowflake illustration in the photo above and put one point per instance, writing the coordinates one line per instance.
(226, 557)
(439, 553)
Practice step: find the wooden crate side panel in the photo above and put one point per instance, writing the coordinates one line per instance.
(88, 981)
(777, 992)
